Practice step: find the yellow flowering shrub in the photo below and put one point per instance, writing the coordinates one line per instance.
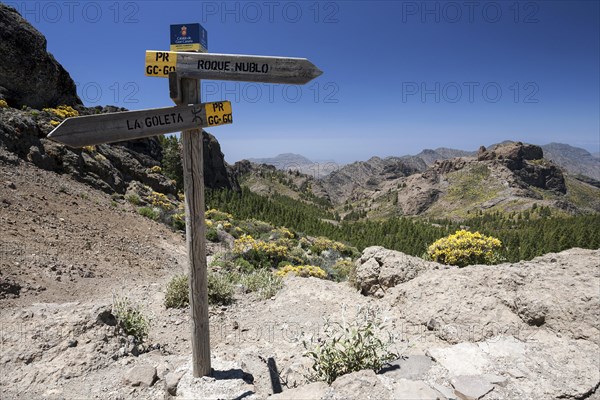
(465, 248)
(178, 221)
(54, 123)
(217, 215)
(63, 111)
(3, 103)
(302, 270)
(156, 169)
(258, 251)
(160, 200)
(89, 149)
(282, 232)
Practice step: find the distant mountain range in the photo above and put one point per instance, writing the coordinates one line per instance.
(574, 160)
(297, 162)
(442, 183)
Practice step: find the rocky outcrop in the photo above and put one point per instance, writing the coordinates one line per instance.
(358, 179)
(107, 167)
(217, 174)
(29, 75)
(379, 269)
(526, 161)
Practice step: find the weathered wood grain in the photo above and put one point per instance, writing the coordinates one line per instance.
(233, 67)
(115, 127)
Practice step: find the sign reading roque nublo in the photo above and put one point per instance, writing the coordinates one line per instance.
(231, 67)
(184, 70)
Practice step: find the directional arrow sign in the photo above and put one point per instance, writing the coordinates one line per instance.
(115, 127)
(231, 67)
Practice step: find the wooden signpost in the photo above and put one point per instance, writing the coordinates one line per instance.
(184, 71)
(115, 127)
(231, 67)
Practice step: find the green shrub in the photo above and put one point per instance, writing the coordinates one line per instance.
(348, 349)
(263, 282)
(149, 213)
(244, 265)
(465, 248)
(212, 235)
(342, 269)
(178, 221)
(220, 288)
(177, 295)
(130, 318)
(133, 199)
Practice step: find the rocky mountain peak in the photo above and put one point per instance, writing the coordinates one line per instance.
(29, 75)
(514, 152)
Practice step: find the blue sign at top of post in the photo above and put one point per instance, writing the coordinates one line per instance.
(189, 37)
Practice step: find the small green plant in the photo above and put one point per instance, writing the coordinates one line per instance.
(178, 221)
(263, 282)
(149, 213)
(177, 295)
(348, 348)
(342, 269)
(220, 288)
(130, 318)
(212, 235)
(133, 199)
(465, 248)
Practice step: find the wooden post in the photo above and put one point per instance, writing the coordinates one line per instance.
(193, 178)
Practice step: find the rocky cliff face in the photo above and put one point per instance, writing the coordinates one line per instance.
(526, 161)
(29, 75)
(354, 181)
(107, 167)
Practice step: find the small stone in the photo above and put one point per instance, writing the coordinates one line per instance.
(172, 380)
(471, 387)
(414, 390)
(142, 375)
(72, 343)
(11, 185)
(495, 379)
(446, 391)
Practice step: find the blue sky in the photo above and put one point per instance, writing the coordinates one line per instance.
(399, 76)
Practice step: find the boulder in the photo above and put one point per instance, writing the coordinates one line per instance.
(379, 269)
(142, 375)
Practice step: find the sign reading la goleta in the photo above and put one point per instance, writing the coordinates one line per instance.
(232, 67)
(115, 127)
